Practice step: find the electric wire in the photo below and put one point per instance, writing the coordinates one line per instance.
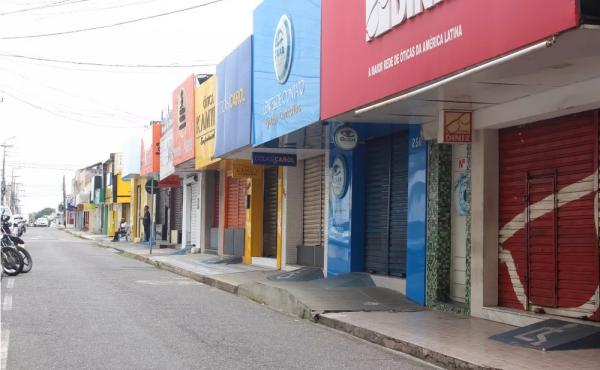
(117, 24)
(62, 61)
(50, 5)
(60, 115)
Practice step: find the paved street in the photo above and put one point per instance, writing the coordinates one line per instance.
(84, 307)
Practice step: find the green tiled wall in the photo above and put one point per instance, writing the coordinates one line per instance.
(439, 231)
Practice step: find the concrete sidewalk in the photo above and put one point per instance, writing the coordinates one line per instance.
(354, 305)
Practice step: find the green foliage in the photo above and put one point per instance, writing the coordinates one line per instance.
(44, 212)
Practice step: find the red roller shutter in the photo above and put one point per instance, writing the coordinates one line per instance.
(236, 210)
(548, 237)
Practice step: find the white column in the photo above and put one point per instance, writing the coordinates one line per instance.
(484, 224)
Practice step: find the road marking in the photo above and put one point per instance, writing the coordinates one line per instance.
(4, 347)
(10, 283)
(7, 304)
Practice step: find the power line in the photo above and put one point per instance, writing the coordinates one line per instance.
(60, 115)
(50, 5)
(104, 113)
(62, 61)
(110, 25)
(100, 8)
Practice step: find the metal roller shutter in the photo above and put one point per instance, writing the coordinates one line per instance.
(314, 201)
(386, 205)
(270, 214)
(548, 236)
(177, 199)
(236, 210)
(195, 216)
(399, 205)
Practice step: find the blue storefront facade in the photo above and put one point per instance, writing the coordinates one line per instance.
(287, 128)
(357, 239)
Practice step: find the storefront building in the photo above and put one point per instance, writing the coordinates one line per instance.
(238, 209)
(169, 182)
(288, 137)
(184, 137)
(501, 206)
(130, 163)
(149, 171)
(201, 190)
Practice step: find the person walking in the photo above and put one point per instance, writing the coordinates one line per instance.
(146, 221)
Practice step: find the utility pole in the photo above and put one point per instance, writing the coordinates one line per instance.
(3, 185)
(64, 215)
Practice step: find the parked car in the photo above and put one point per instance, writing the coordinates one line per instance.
(42, 222)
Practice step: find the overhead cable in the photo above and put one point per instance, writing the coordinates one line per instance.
(62, 61)
(50, 5)
(60, 33)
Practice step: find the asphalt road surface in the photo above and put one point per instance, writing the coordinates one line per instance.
(85, 307)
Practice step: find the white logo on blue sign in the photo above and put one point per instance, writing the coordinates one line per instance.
(283, 47)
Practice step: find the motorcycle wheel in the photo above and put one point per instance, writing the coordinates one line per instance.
(27, 261)
(12, 263)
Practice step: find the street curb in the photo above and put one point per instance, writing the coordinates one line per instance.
(276, 298)
(283, 301)
(395, 344)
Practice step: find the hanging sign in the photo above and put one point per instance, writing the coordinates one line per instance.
(275, 159)
(456, 127)
(346, 138)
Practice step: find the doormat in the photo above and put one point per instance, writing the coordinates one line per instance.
(553, 335)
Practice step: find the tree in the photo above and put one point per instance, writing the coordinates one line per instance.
(44, 212)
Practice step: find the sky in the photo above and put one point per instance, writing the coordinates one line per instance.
(66, 116)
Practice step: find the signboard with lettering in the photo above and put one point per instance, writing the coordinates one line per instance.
(456, 127)
(205, 123)
(150, 151)
(167, 168)
(275, 159)
(287, 67)
(183, 121)
(244, 169)
(373, 49)
(234, 105)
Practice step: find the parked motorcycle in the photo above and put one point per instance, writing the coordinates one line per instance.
(10, 244)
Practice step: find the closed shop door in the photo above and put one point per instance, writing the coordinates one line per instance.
(548, 236)
(270, 214)
(236, 210)
(177, 213)
(314, 201)
(386, 205)
(541, 242)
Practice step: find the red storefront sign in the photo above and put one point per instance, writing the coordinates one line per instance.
(170, 182)
(373, 49)
(150, 159)
(183, 122)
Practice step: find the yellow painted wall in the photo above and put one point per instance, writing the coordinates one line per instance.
(123, 190)
(112, 221)
(133, 209)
